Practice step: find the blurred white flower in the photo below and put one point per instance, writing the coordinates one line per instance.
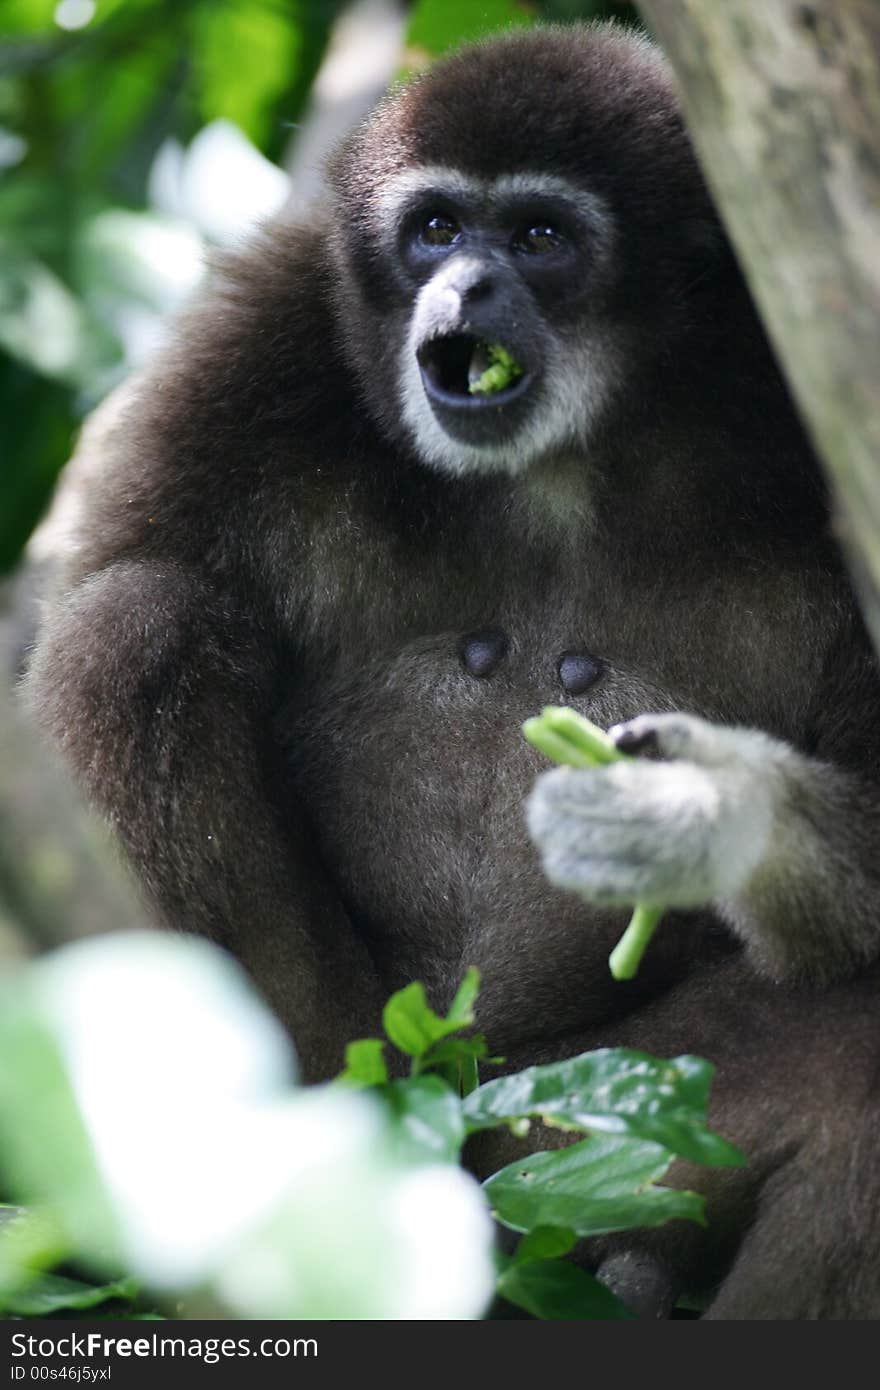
(360, 1232)
(218, 1173)
(442, 1227)
(74, 14)
(13, 148)
(136, 269)
(220, 183)
(175, 1066)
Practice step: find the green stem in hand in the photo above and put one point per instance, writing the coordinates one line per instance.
(565, 736)
(541, 736)
(626, 957)
(587, 741)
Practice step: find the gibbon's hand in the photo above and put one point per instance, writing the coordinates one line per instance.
(680, 832)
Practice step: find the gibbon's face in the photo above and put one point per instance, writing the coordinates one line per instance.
(517, 233)
(497, 363)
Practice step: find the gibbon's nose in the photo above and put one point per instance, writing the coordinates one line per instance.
(474, 278)
(483, 287)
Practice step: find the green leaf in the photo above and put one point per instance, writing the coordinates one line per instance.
(45, 1150)
(599, 1185)
(468, 1075)
(461, 1012)
(365, 1063)
(615, 1091)
(38, 423)
(276, 47)
(560, 1290)
(30, 1241)
(23, 16)
(456, 1060)
(410, 1022)
(414, 1027)
(44, 325)
(440, 24)
(50, 1293)
(428, 1114)
(544, 1243)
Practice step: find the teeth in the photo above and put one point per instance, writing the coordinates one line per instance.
(479, 363)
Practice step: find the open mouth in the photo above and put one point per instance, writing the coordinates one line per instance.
(470, 373)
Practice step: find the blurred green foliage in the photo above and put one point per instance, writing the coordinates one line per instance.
(347, 1199)
(83, 113)
(436, 25)
(90, 91)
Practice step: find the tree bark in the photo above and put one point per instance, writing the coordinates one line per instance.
(60, 878)
(783, 103)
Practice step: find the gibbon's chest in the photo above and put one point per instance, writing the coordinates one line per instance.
(405, 745)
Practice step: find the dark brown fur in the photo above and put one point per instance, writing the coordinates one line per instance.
(255, 664)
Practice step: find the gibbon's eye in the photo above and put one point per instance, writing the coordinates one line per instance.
(539, 240)
(439, 230)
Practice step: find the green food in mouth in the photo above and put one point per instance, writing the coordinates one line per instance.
(492, 369)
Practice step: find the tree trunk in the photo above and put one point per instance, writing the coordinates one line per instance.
(783, 103)
(59, 876)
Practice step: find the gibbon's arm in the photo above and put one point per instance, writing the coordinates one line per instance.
(153, 687)
(784, 846)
